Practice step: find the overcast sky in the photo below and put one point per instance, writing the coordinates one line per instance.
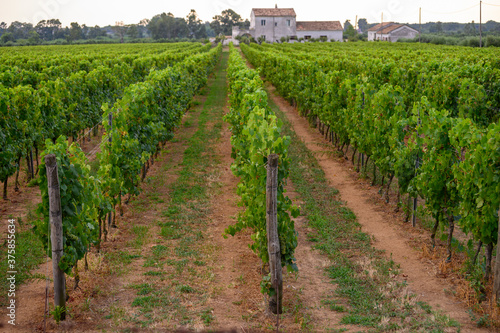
(104, 12)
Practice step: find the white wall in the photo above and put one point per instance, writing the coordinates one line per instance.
(275, 28)
(335, 35)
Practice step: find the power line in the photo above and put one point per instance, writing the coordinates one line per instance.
(455, 12)
(489, 4)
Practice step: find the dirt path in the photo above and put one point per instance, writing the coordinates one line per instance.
(386, 228)
(238, 302)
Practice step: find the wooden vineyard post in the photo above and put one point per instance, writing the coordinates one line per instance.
(56, 232)
(496, 282)
(273, 242)
(110, 140)
(414, 218)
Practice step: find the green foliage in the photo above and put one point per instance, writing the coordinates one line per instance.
(256, 133)
(57, 313)
(63, 94)
(401, 105)
(146, 116)
(80, 195)
(478, 178)
(148, 113)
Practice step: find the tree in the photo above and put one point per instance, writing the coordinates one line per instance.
(7, 37)
(436, 27)
(143, 28)
(347, 24)
(95, 32)
(350, 33)
(470, 28)
(85, 31)
(168, 26)
(33, 37)
(134, 31)
(224, 23)
(48, 29)
(3, 27)
(245, 25)
(363, 25)
(216, 28)
(120, 29)
(20, 30)
(195, 26)
(75, 31)
(209, 30)
(439, 27)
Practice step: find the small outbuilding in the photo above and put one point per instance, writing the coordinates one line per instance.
(329, 30)
(390, 31)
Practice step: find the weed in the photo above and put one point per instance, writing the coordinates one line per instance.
(143, 289)
(207, 316)
(57, 313)
(186, 289)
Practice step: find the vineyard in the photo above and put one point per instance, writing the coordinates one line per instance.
(426, 117)
(165, 219)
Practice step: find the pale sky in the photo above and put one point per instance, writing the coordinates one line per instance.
(104, 12)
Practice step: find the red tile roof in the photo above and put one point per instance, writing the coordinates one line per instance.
(380, 26)
(274, 12)
(318, 25)
(389, 29)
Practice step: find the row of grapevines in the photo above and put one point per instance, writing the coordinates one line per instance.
(407, 134)
(141, 63)
(148, 112)
(37, 66)
(468, 89)
(66, 105)
(135, 135)
(256, 133)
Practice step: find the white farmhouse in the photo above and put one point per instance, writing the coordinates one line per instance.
(274, 23)
(390, 31)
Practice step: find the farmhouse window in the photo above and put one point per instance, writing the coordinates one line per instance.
(262, 22)
(288, 23)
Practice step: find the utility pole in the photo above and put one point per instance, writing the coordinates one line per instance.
(420, 25)
(480, 24)
(381, 25)
(356, 24)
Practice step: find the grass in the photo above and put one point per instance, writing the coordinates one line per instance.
(118, 261)
(180, 261)
(362, 274)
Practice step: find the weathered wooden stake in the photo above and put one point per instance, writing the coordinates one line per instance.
(273, 242)
(110, 121)
(32, 164)
(414, 218)
(56, 232)
(496, 282)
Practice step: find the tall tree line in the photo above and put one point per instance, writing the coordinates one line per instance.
(161, 26)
